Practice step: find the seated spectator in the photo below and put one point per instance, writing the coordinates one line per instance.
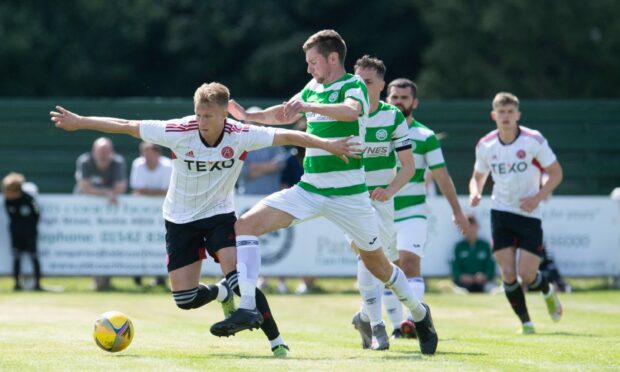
(23, 220)
(150, 175)
(101, 172)
(473, 267)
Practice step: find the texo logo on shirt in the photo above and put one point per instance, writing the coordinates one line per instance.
(203, 166)
(504, 168)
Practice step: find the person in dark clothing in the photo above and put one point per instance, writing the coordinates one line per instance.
(24, 216)
(473, 267)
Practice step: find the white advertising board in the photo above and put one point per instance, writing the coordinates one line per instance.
(82, 235)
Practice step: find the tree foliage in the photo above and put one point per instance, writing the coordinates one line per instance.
(454, 48)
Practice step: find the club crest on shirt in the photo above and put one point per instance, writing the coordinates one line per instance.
(333, 97)
(381, 134)
(227, 152)
(521, 154)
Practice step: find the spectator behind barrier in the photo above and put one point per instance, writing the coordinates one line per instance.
(150, 175)
(101, 172)
(24, 217)
(473, 267)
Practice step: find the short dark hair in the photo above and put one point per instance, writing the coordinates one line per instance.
(404, 83)
(326, 42)
(371, 63)
(147, 145)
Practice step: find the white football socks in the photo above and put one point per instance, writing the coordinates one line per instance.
(370, 289)
(418, 286)
(393, 307)
(398, 283)
(222, 292)
(248, 268)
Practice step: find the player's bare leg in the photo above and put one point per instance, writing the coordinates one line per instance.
(185, 277)
(259, 220)
(506, 258)
(187, 290)
(536, 281)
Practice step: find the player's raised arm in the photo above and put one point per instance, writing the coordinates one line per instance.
(342, 148)
(69, 121)
(273, 115)
(349, 110)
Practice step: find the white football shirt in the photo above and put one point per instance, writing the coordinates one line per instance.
(515, 167)
(203, 177)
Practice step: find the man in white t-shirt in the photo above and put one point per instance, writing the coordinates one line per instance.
(514, 154)
(151, 172)
(208, 151)
(150, 175)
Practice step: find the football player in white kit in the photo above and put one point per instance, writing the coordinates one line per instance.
(208, 150)
(513, 154)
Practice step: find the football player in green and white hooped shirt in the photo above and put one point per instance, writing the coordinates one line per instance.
(335, 105)
(387, 137)
(410, 202)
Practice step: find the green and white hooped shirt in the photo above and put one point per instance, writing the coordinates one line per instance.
(386, 133)
(410, 202)
(325, 173)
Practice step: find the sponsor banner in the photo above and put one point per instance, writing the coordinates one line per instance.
(84, 235)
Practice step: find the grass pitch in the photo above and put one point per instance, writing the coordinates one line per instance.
(52, 331)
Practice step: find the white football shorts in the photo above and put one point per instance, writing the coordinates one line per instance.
(352, 213)
(411, 235)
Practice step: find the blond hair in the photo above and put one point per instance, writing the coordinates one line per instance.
(326, 42)
(13, 182)
(505, 98)
(212, 93)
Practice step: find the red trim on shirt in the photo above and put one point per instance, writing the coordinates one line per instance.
(537, 165)
(243, 156)
(488, 137)
(235, 128)
(534, 135)
(176, 128)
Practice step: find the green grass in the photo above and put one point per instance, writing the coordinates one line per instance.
(52, 331)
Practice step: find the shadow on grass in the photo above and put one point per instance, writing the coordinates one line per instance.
(390, 355)
(567, 334)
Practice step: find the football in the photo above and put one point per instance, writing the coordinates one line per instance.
(113, 331)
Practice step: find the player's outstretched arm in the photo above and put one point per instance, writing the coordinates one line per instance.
(273, 115)
(342, 148)
(69, 121)
(476, 184)
(406, 171)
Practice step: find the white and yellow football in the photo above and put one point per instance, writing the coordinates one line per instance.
(113, 331)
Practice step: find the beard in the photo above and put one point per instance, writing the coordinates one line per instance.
(406, 111)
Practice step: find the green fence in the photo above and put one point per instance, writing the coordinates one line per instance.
(584, 134)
